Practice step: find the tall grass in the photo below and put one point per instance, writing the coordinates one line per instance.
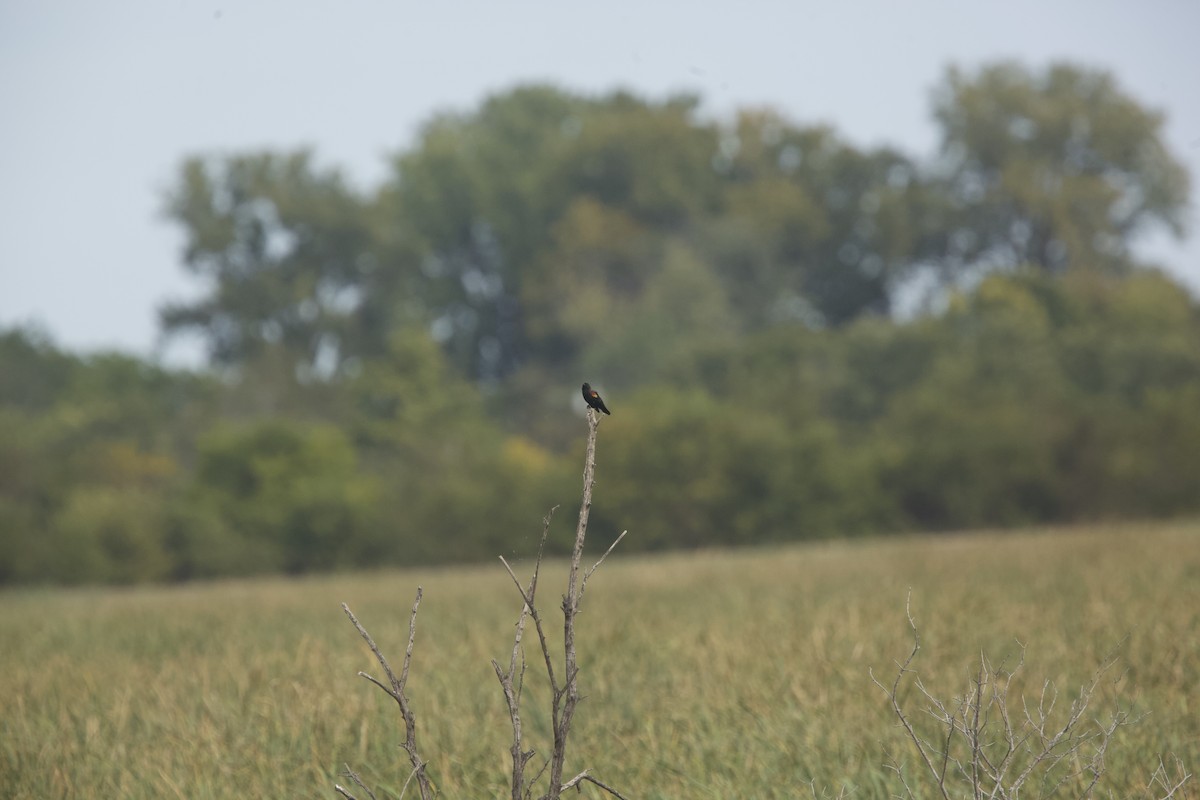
(706, 675)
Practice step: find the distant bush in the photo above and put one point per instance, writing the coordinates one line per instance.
(1030, 399)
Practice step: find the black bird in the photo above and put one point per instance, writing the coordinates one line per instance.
(592, 397)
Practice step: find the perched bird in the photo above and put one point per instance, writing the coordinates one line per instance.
(592, 397)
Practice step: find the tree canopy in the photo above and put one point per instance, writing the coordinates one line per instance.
(1058, 169)
(521, 232)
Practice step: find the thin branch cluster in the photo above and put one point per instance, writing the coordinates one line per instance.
(563, 676)
(395, 689)
(988, 746)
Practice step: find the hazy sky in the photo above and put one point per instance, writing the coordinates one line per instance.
(99, 101)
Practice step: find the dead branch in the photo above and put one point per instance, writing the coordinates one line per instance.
(570, 606)
(564, 697)
(983, 752)
(354, 778)
(512, 682)
(396, 691)
(587, 776)
(1168, 784)
(922, 749)
(594, 567)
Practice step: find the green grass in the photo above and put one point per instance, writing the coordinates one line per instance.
(707, 675)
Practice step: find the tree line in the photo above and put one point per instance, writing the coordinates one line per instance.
(798, 338)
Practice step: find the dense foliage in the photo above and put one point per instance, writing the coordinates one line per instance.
(395, 371)
(1030, 399)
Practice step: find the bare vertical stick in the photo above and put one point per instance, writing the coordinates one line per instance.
(570, 609)
(513, 682)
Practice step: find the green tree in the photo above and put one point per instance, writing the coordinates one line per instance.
(287, 253)
(1131, 352)
(1049, 398)
(35, 372)
(694, 471)
(472, 199)
(811, 229)
(1058, 168)
(107, 535)
(653, 161)
(596, 263)
(492, 197)
(457, 486)
(682, 308)
(91, 449)
(292, 494)
(36, 375)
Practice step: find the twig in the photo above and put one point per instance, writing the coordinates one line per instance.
(894, 693)
(408, 780)
(994, 758)
(512, 689)
(357, 781)
(586, 776)
(396, 691)
(1170, 785)
(594, 567)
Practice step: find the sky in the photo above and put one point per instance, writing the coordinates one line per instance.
(101, 101)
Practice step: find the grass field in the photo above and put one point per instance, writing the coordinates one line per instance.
(737, 674)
